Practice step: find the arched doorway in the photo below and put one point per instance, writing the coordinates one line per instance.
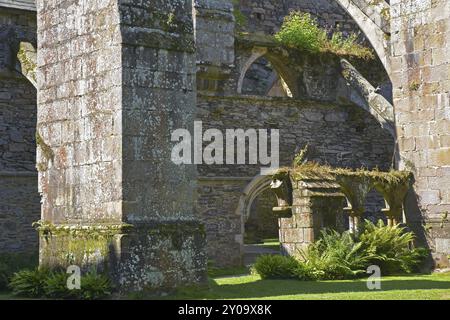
(262, 224)
(259, 224)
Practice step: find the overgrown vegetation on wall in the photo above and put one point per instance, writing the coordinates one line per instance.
(346, 256)
(301, 31)
(315, 171)
(240, 18)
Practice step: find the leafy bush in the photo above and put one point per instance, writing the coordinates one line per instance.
(55, 286)
(391, 248)
(29, 283)
(305, 272)
(336, 256)
(276, 267)
(281, 267)
(343, 256)
(95, 286)
(13, 262)
(40, 283)
(301, 31)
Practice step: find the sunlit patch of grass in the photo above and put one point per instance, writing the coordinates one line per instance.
(421, 287)
(273, 244)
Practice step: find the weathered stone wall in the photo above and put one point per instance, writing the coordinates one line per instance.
(262, 223)
(19, 199)
(100, 124)
(19, 208)
(421, 78)
(225, 43)
(107, 106)
(217, 203)
(340, 135)
(307, 77)
(79, 119)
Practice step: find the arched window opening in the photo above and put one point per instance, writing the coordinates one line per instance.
(261, 79)
(374, 204)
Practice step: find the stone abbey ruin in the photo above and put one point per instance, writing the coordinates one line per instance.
(98, 86)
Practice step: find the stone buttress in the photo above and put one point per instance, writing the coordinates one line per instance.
(115, 79)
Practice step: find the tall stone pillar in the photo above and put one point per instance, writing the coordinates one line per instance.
(421, 80)
(116, 78)
(214, 23)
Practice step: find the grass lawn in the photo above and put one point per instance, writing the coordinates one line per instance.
(421, 287)
(414, 287)
(273, 244)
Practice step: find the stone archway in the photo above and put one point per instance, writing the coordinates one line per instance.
(287, 79)
(373, 18)
(257, 53)
(258, 185)
(252, 191)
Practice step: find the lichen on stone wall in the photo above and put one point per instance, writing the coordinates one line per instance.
(28, 65)
(98, 229)
(313, 170)
(88, 246)
(46, 151)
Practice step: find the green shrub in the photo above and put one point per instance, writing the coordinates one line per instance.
(95, 286)
(336, 256)
(41, 283)
(276, 267)
(55, 286)
(282, 267)
(305, 272)
(391, 248)
(301, 31)
(13, 262)
(29, 283)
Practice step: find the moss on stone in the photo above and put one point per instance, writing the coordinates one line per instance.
(239, 17)
(356, 184)
(46, 151)
(93, 231)
(28, 66)
(313, 170)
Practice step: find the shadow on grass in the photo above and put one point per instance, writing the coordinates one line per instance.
(273, 288)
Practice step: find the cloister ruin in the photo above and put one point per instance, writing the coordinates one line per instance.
(98, 86)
